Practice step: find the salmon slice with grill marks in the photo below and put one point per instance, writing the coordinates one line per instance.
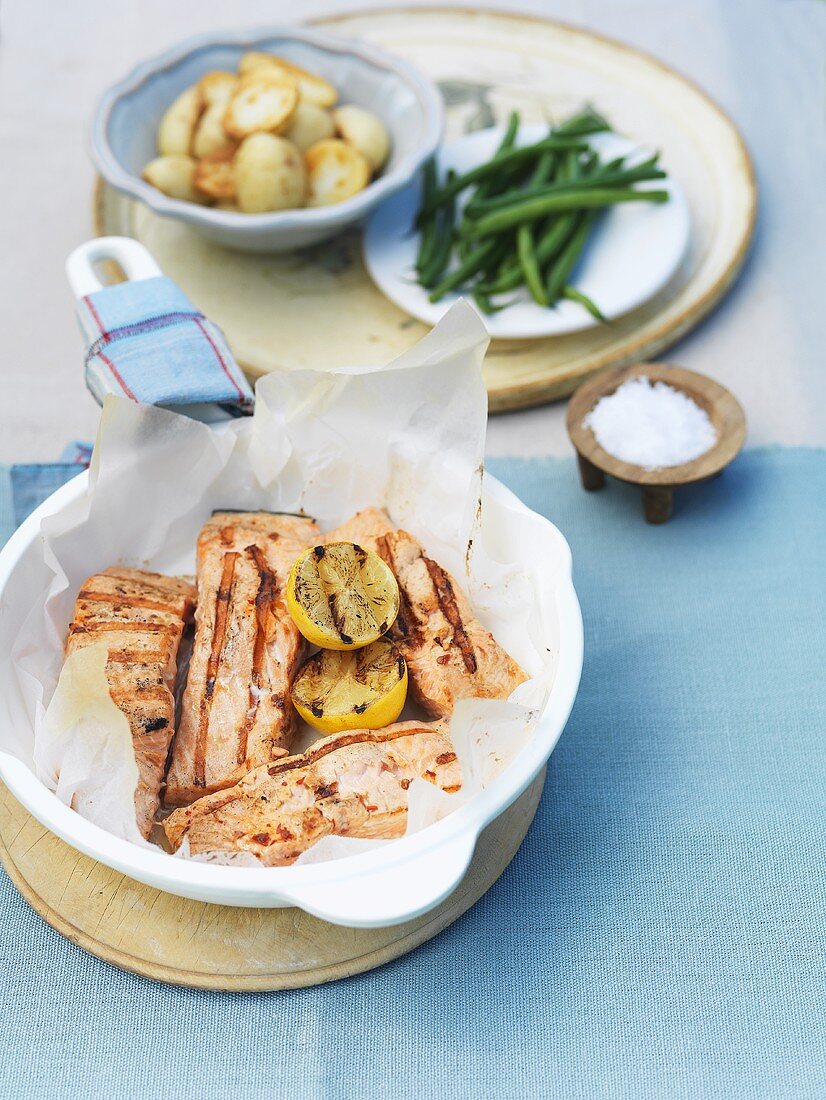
(236, 711)
(141, 616)
(351, 784)
(449, 654)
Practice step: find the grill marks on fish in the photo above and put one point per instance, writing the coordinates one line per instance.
(246, 649)
(141, 616)
(223, 599)
(409, 626)
(406, 625)
(449, 654)
(351, 784)
(450, 609)
(121, 601)
(264, 607)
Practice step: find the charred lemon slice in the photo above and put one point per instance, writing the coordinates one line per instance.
(342, 596)
(361, 689)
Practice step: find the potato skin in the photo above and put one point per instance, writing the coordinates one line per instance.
(178, 123)
(174, 175)
(335, 171)
(309, 125)
(269, 174)
(210, 135)
(364, 131)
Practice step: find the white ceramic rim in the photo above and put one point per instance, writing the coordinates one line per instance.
(315, 887)
(339, 214)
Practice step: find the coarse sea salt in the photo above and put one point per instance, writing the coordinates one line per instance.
(650, 424)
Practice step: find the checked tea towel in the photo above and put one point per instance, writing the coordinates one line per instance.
(147, 341)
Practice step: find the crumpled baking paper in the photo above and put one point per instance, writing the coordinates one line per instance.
(408, 437)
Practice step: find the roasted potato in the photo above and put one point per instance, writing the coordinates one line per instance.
(217, 86)
(308, 125)
(335, 171)
(364, 131)
(210, 135)
(269, 174)
(254, 59)
(179, 121)
(313, 88)
(174, 174)
(263, 101)
(215, 175)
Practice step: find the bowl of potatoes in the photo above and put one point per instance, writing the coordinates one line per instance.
(270, 140)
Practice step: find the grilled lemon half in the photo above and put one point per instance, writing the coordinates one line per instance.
(341, 596)
(360, 689)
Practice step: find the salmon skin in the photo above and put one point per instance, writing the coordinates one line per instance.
(449, 654)
(141, 616)
(236, 711)
(351, 784)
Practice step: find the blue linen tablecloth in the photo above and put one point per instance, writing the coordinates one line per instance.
(660, 933)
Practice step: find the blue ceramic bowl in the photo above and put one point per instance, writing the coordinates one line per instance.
(125, 126)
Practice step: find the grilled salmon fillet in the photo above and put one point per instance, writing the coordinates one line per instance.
(236, 711)
(141, 616)
(350, 784)
(449, 654)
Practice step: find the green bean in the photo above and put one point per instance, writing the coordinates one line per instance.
(427, 225)
(550, 242)
(544, 170)
(492, 186)
(525, 246)
(575, 295)
(560, 270)
(482, 301)
(528, 263)
(531, 209)
(547, 247)
(602, 177)
(441, 253)
(586, 122)
(511, 131)
(466, 268)
(520, 155)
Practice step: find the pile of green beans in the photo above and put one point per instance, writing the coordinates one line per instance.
(527, 217)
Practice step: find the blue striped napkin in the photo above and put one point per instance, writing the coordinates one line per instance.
(147, 341)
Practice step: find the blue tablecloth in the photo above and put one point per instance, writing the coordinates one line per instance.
(661, 932)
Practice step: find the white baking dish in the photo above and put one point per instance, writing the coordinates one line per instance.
(391, 884)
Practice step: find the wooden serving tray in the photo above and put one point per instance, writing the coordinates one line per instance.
(319, 308)
(205, 946)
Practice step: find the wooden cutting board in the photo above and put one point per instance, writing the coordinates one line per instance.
(319, 308)
(216, 946)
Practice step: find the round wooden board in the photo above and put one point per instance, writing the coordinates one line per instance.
(205, 946)
(320, 308)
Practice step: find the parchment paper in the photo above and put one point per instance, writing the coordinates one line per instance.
(408, 437)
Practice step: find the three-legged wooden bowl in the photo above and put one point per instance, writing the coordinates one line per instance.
(657, 485)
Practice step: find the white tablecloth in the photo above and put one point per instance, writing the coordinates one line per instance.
(761, 59)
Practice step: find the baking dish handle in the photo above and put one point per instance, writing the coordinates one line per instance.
(132, 258)
(390, 896)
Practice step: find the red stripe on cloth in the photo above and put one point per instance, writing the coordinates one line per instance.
(96, 316)
(117, 376)
(220, 359)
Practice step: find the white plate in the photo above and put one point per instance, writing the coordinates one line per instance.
(633, 253)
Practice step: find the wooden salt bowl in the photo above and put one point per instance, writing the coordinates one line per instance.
(658, 486)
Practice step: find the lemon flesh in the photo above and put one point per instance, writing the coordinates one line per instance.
(358, 689)
(342, 596)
